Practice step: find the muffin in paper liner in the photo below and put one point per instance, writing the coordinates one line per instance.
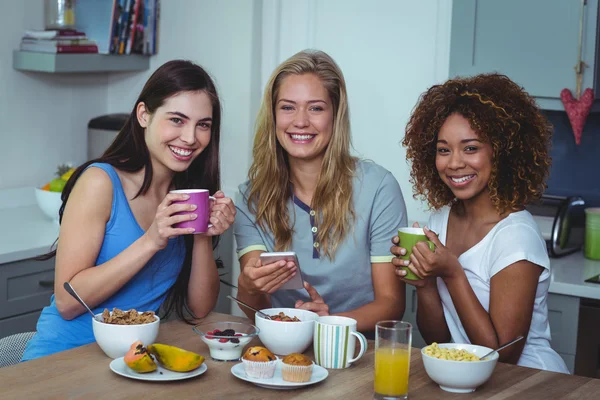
(260, 369)
(296, 373)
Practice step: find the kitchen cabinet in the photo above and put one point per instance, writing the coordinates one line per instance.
(25, 288)
(587, 362)
(563, 316)
(410, 315)
(534, 42)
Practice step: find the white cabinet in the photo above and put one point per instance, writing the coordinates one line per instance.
(563, 315)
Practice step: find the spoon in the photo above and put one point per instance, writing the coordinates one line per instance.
(73, 293)
(502, 347)
(250, 307)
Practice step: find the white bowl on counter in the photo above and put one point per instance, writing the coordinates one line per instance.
(460, 376)
(283, 338)
(115, 340)
(49, 203)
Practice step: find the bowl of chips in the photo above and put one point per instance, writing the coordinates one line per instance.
(120, 329)
(457, 367)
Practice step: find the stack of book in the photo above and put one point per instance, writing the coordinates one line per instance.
(57, 41)
(120, 26)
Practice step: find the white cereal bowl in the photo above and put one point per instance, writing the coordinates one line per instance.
(460, 376)
(283, 338)
(115, 340)
(49, 203)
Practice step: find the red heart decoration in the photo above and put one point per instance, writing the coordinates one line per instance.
(577, 110)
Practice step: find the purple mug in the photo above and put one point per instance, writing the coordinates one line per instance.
(201, 198)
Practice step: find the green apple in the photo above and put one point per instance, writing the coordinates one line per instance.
(57, 185)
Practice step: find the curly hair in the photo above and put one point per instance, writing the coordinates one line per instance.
(503, 115)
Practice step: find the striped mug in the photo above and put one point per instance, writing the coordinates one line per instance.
(334, 342)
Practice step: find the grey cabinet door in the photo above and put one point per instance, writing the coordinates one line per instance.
(410, 315)
(25, 286)
(563, 316)
(534, 42)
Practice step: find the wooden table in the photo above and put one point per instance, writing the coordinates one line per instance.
(84, 373)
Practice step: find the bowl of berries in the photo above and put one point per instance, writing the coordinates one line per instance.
(226, 340)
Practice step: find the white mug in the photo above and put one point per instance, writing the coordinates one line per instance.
(335, 341)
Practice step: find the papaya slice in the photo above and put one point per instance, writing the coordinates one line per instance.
(138, 359)
(175, 359)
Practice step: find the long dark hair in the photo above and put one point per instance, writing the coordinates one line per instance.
(128, 152)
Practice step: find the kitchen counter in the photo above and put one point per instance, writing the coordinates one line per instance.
(26, 232)
(569, 274)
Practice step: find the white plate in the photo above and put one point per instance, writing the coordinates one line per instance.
(276, 382)
(119, 367)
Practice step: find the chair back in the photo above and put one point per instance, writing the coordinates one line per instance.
(12, 348)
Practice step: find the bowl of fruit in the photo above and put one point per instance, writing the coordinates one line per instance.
(226, 340)
(48, 197)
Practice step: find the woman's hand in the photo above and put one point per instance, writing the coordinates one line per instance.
(162, 228)
(400, 264)
(440, 262)
(317, 304)
(256, 278)
(222, 214)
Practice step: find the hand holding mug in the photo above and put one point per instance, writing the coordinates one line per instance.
(222, 214)
(426, 263)
(408, 238)
(256, 278)
(317, 304)
(171, 211)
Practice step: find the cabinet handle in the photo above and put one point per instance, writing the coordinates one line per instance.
(46, 284)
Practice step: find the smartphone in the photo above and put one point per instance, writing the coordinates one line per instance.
(297, 281)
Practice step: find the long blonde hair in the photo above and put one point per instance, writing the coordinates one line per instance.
(270, 176)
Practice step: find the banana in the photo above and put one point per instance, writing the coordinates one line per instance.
(175, 359)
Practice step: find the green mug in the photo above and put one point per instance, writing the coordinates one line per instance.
(592, 233)
(409, 237)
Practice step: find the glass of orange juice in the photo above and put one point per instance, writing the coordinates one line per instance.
(392, 359)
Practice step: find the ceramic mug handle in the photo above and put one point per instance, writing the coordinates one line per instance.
(363, 345)
(210, 198)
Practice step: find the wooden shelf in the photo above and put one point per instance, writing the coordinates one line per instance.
(78, 63)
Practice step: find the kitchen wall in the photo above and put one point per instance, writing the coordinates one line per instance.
(574, 167)
(43, 116)
(389, 51)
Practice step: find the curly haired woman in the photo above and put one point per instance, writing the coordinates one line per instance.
(479, 149)
(306, 193)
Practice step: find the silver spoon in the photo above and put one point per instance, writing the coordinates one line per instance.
(502, 347)
(250, 307)
(73, 293)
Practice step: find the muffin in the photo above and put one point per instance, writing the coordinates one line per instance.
(296, 367)
(259, 362)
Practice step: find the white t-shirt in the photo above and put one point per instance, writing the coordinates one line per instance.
(516, 237)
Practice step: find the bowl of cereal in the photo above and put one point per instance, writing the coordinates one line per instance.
(290, 330)
(226, 340)
(120, 329)
(457, 367)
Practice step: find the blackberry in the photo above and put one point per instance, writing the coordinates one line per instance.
(234, 340)
(228, 332)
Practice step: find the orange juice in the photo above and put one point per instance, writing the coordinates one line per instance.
(391, 371)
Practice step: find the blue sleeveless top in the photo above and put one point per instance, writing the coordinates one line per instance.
(146, 291)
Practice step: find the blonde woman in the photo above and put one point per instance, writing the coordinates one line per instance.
(307, 194)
